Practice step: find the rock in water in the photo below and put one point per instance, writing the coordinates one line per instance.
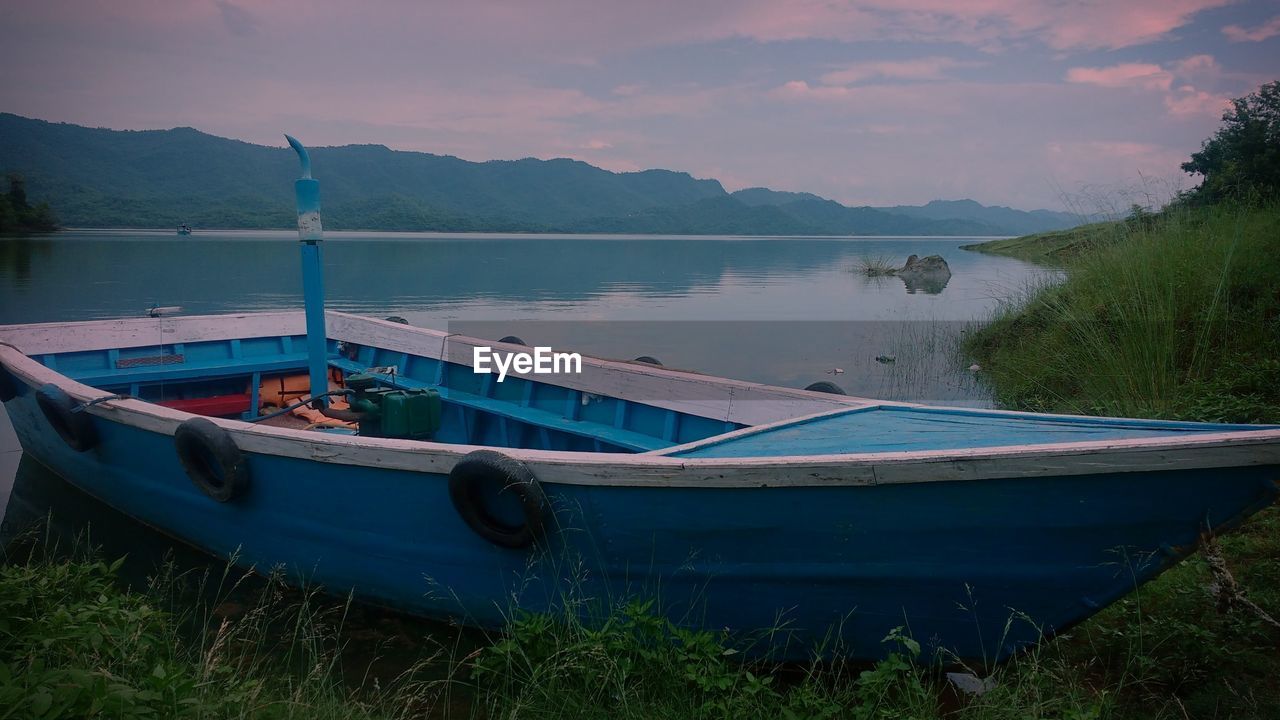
(930, 265)
(930, 273)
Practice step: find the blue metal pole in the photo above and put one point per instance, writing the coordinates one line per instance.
(311, 234)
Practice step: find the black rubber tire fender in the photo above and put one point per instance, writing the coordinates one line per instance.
(212, 459)
(514, 340)
(648, 360)
(826, 386)
(514, 476)
(75, 428)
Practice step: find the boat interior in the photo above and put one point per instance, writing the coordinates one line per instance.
(246, 378)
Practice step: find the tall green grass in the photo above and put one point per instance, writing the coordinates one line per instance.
(875, 266)
(1177, 316)
(75, 642)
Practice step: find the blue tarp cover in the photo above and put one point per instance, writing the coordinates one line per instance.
(891, 429)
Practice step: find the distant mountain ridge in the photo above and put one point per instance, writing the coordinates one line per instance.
(159, 178)
(1022, 222)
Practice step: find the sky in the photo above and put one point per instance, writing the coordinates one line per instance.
(1027, 103)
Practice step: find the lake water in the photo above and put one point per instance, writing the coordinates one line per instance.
(784, 311)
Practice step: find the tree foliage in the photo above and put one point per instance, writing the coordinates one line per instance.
(1242, 160)
(18, 215)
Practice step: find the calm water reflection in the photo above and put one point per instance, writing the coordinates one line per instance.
(795, 307)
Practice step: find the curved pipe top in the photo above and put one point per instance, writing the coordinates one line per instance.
(303, 157)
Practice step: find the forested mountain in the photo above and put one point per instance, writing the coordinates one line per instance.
(1016, 222)
(160, 178)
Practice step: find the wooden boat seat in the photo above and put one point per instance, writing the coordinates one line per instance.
(117, 374)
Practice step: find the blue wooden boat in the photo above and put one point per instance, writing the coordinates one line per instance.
(825, 518)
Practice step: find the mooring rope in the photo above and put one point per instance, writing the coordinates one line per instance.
(97, 401)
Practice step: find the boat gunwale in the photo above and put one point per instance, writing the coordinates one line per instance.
(1224, 449)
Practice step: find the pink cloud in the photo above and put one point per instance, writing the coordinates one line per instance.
(926, 68)
(1197, 66)
(1188, 101)
(1184, 101)
(794, 20)
(801, 90)
(1269, 29)
(1143, 75)
(886, 129)
(1061, 25)
(1116, 149)
(1115, 24)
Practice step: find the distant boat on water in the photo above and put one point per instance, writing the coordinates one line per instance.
(184, 229)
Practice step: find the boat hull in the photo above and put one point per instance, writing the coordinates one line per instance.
(975, 569)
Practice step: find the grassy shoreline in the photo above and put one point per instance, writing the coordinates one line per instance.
(1172, 316)
(1052, 248)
